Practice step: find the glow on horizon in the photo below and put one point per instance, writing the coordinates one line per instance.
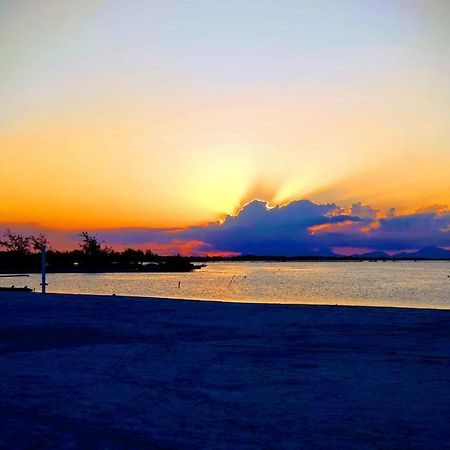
(165, 114)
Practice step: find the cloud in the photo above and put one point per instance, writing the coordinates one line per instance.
(438, 209)
(392, 212)
(363, 211)
(261, 230)
(307, 228)
(412, 231)
(301, 227)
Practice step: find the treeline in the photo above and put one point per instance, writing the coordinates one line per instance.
(22, 254)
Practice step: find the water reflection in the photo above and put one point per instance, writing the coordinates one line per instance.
(419, 284)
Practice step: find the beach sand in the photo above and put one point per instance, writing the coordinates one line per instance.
(115, 372)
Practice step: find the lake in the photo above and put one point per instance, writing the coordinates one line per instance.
(404, 284)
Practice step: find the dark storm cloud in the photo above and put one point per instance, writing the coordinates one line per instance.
(299, 228)
(260, 230)
(413, 231)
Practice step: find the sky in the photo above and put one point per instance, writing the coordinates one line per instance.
(158, 123)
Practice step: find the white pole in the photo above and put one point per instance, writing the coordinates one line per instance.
(43, 281)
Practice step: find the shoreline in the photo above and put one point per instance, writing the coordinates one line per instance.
(138, 372)
(425, 285)
(91, 296)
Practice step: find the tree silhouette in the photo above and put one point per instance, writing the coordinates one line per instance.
(22, 255)
(22, 245)
(38, 242)
(95, 257)
(89, 245)
(17, 243)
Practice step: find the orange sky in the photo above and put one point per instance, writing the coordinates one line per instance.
(162, 115)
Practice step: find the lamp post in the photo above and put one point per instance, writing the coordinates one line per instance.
(43, 273)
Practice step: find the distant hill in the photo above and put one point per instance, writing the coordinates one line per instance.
(424, 253)
(372, 255)
(427, 253)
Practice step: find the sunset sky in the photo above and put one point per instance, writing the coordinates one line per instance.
(165, 115)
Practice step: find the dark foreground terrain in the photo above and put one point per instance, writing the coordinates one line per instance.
(115, 372)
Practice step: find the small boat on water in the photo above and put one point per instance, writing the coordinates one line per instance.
(15, 289)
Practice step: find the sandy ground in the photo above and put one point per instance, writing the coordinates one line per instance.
(114, 372)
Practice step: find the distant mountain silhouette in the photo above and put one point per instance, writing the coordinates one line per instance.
(372, 255)
(427, 252)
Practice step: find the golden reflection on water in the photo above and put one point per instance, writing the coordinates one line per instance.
(407, 284)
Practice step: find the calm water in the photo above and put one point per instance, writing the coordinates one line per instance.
(411, 284)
